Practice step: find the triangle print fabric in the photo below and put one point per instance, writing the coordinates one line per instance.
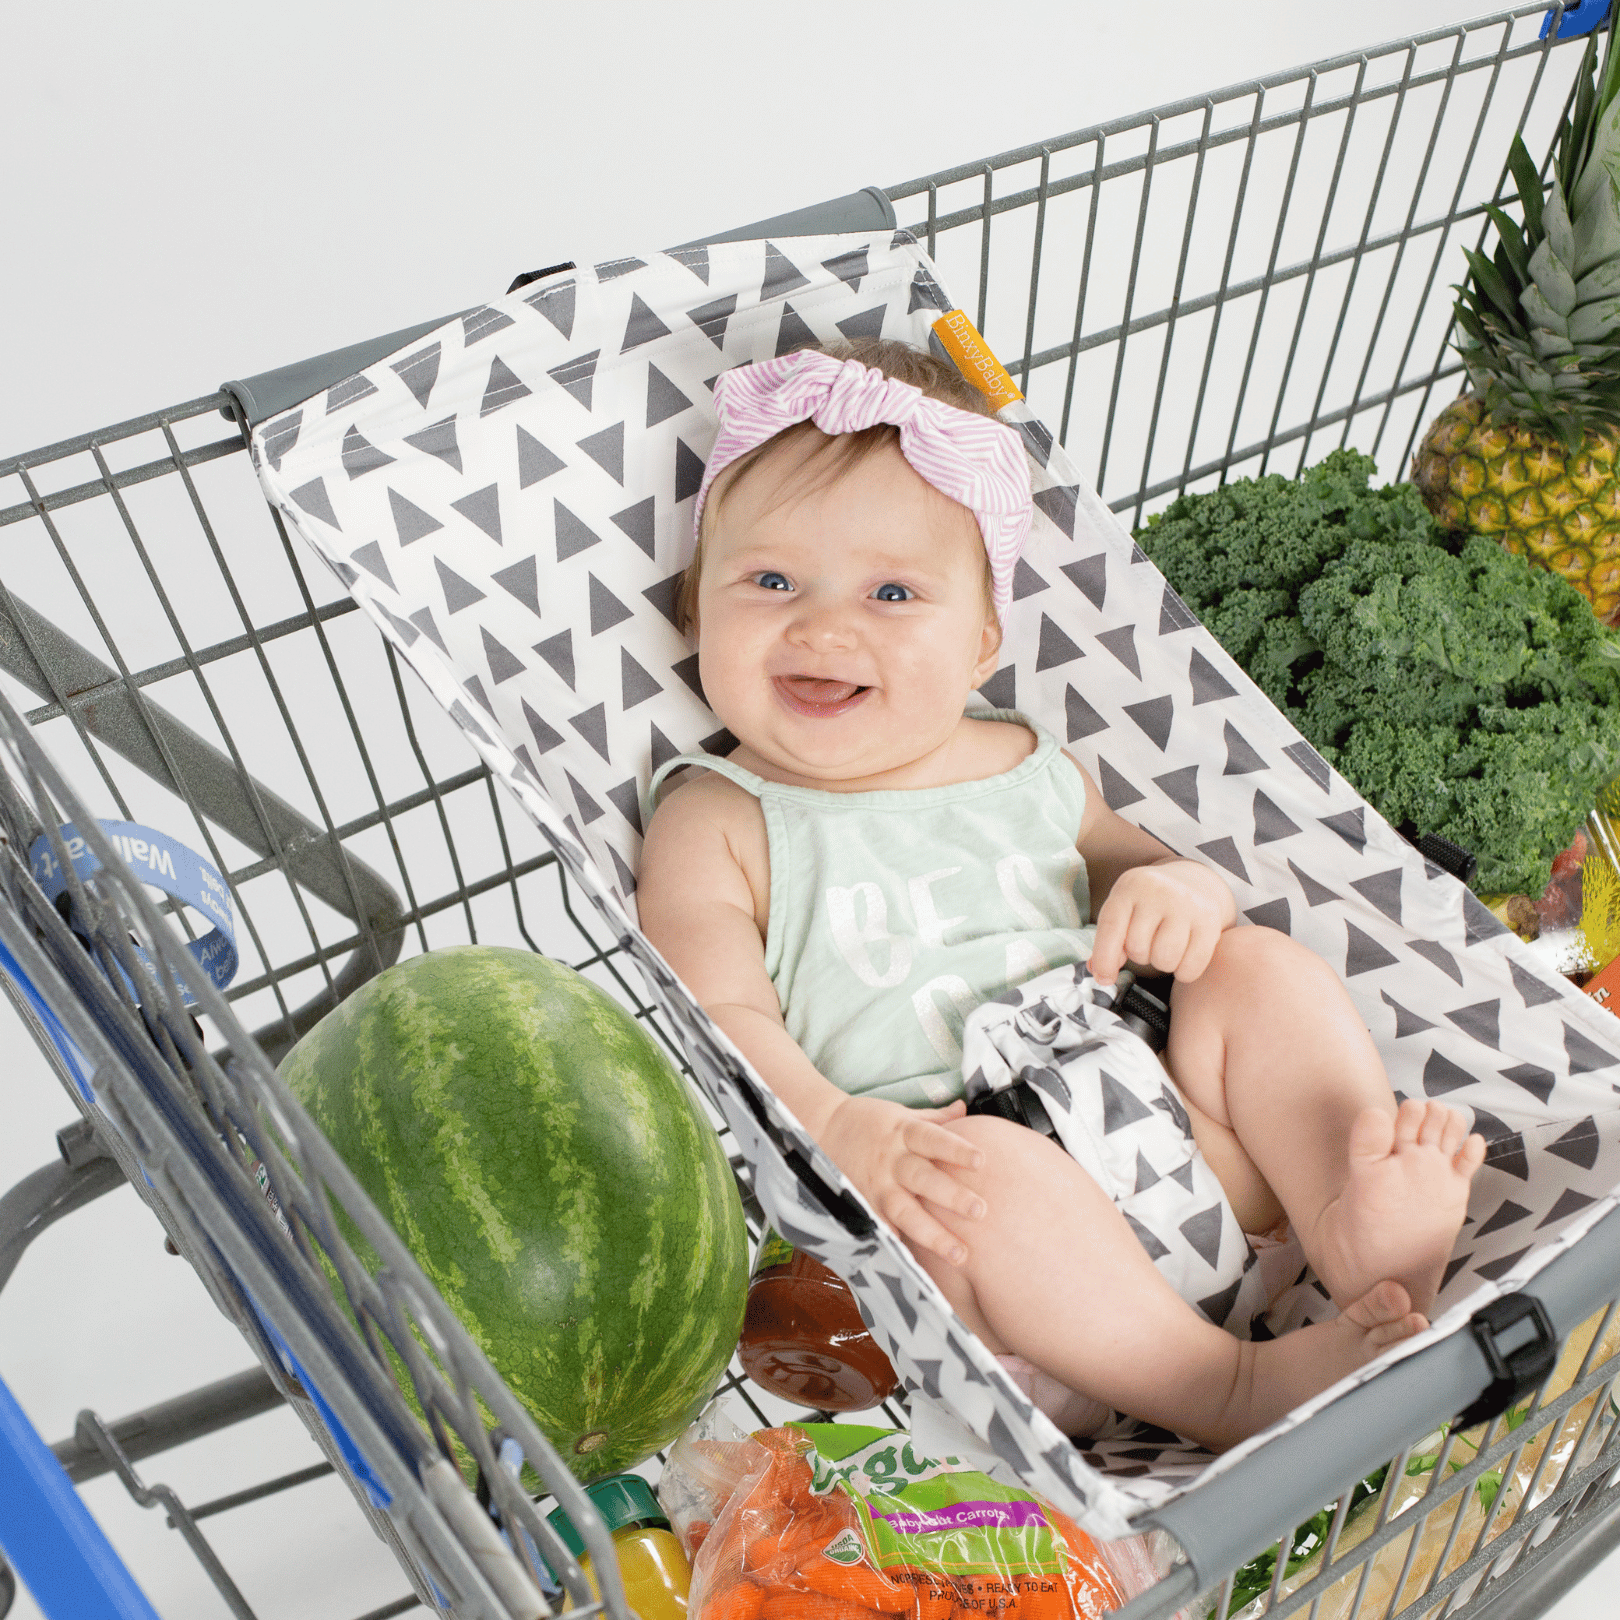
(510, 500)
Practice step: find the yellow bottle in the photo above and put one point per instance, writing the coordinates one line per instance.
(652, 1563)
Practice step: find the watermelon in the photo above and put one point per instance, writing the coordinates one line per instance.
(535, 1150)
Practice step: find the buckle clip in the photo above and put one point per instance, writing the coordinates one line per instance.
(1525, 1363)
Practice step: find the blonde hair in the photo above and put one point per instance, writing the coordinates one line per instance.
(835, 455)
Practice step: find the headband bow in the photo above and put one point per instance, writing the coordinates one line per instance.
(976, 461)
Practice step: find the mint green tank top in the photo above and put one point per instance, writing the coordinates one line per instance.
(894, 914)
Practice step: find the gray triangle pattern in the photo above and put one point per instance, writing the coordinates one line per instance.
(664, 400)
(349, 392)
(410, 521)
(688, 471)
(577, 378)
(279, 436)
(573, 536)
(558, 651)
(606, 449)
(850, 268)
(1154, 716)
(1090, 577)
(643, 326)
(535, 461)
(1181, 788)
(639, 522)
(312, 497)
(478, 324)
(438, 440)
(482, 509)
(868, 324)
(359, 457)
(696, 259)
(710, 319)
(1055, 648)
(370, 557)
(503, 664)
(580, 720)
(556, 302)
(794, 332)
(419, 372)
(782, 276)
(521, 580)
(502, 389)
(459, 594)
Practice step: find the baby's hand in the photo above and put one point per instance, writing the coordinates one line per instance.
(1167, 916)
(899, 1156)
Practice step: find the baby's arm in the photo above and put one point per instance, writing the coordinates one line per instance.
(700, 908)
(1153, 909)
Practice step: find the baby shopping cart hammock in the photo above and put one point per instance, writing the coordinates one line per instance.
(509, 497)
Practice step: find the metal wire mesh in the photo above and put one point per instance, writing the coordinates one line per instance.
(1291, 242)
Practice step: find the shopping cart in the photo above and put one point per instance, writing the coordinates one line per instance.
(1291, 241)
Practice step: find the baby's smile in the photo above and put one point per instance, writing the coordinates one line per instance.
(816, 696)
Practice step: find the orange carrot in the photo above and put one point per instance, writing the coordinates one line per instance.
(742, 1602)
(1044, 1597)
(936, 1597)
(1086, 1568)
(857, 1584)
(813, 1606)
(770, 1535)
(987, 1597)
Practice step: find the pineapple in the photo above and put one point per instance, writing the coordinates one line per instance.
(1532, 454)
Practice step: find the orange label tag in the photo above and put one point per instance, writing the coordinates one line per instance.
(974, 359)
(1604, 987)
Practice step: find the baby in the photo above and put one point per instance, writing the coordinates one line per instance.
(869, 849)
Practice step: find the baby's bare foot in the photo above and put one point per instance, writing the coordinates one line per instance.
(1402, 1205)
(1278, 1374)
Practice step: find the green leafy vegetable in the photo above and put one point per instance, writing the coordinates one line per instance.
(1459, 688)
(1308, 1539)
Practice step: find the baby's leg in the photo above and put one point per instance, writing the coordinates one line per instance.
(1055, 1275)
(1267, 1046)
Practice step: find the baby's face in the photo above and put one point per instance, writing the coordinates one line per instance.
(840, 629)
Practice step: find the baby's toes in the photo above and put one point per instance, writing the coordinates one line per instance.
(1455, 1132)
(1372, 1135)
(1470, 1156)
(1409, 1122)
(1404, 1327)
(1382, 1304)
(1436, 1117)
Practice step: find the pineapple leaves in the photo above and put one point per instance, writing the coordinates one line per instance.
(1528, 180)
(1559, 233)
(1511, 246)
(1572, 136)
(1492, 285)
(1553, 292)
(1610, 84)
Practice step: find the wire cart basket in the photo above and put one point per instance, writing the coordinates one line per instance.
(167, 655)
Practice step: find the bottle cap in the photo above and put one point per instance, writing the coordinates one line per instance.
(625, 1502)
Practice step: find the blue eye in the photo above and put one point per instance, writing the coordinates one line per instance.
(772, 581)
(893, 593)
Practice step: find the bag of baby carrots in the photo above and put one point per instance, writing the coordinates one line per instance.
(842, 1522)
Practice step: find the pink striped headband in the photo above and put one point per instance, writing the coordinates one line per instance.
(976, 461)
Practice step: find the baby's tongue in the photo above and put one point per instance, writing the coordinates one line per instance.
(810, 689)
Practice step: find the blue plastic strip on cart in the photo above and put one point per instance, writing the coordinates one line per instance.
(77, 1064)
(65, 1560)
(1580, 17)
(158, 860)
(362, 1470)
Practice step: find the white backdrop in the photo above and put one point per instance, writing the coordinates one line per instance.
(193, 193)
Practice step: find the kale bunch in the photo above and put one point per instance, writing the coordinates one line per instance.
(1458, 687)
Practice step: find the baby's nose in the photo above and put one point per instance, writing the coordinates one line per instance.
(825, 624)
